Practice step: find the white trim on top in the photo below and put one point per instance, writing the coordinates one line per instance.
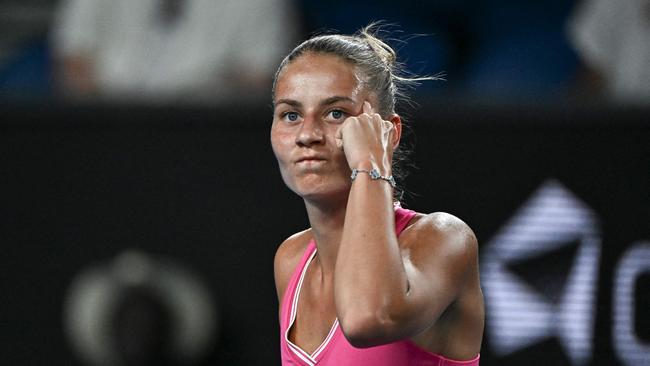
(310, 359)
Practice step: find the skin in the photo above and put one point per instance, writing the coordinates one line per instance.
(423, 285)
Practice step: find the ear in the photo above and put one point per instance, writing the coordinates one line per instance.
(396, 120)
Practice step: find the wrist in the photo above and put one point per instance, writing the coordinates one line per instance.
(368, 164)
(374, 174)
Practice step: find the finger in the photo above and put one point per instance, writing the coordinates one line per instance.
(388, 128)
(339, 143)
(338, 137)
(367, 108)
(385, 125)
(391, 132)
(392, 128)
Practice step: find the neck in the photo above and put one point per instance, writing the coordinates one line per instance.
(326, 220)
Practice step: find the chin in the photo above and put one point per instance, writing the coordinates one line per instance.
(322, 192)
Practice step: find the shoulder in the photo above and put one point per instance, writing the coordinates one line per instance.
(441, 225)
(439, 236)
(441, 253)
(287, 257)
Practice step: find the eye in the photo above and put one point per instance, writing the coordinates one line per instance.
(290, 116)
(337, 114)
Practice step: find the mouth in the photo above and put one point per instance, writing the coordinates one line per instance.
(310, 160)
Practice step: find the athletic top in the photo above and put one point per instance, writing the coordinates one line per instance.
(335, 349)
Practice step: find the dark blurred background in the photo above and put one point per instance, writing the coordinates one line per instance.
(141, 206)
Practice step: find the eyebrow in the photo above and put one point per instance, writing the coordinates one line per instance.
(336, 99)
(291, 102)
(325, 102)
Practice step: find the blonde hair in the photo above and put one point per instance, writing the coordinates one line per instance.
(375, 60)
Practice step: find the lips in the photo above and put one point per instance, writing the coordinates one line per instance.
(308, 159)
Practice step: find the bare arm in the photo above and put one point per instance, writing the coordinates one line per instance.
(386, 290)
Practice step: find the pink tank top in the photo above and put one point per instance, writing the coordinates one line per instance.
(335, 349)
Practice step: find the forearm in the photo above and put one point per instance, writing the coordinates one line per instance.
(370, 279)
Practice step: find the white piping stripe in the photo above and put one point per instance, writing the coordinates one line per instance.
(300, 353)
(294, 310)
(296, 295)
(326, 341)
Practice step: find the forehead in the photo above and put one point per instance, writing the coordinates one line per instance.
(318, 76)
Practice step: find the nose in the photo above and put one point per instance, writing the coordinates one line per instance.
(310, 133)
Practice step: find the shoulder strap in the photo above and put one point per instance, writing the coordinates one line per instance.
(402, 218)
(287, 299)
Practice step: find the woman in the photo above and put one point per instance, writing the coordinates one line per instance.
(369, 282)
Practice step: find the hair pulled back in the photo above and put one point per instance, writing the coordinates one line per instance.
(375, 60)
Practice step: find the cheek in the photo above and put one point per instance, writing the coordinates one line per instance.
(279, 144)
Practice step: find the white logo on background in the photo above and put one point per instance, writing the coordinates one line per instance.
(520, 312)
(628, 346)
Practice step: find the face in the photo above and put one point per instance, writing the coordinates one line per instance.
(314, 94)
